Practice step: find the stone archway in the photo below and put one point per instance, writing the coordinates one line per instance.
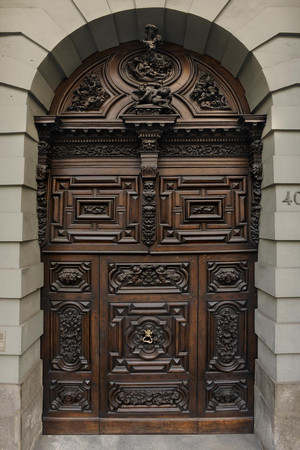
(260, 53)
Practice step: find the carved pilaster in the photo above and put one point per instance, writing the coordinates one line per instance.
(42, 173)
(255, 166)
(149, 157)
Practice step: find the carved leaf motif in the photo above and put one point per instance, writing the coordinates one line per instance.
(227, 334)
(149, 212)
(152, 275)
(207, 94)
(42, 173)
(204, 150)
(203, 209)
(93, 209)
(70, 338)
(70, 276)
(173, 397)
(96, 150)
(90, 95)
(227, 276)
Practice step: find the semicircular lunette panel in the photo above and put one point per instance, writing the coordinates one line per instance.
(106, 85)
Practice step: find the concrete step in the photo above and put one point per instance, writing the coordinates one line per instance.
(149, 442)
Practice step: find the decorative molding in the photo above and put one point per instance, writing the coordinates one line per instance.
(226, 395)
(42, 174)
(207, 95)
(149, 212)
(128, 396)
(70, 395)
(89, 95)
(169, 277)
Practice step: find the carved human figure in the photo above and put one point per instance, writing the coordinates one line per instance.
(152, 39)
(154, 94)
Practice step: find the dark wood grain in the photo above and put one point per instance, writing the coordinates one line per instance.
(148, 231)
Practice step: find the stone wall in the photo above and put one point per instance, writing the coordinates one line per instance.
(42, 42)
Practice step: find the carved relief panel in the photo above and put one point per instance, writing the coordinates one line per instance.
(95, 209)
(149, 337)
(199, 209)
(70, 324)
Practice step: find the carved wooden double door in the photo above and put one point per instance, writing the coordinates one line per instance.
(155, 338)
(148, 201)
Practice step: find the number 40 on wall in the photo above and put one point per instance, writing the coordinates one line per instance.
(292, 198)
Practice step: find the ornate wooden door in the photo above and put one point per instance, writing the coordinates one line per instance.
(148, 209)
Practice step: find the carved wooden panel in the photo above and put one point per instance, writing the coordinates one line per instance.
(226, 395)
(151, 397)
(70, 325)
(210, 208)
(103, 209)
(145, 277)
(227, 335)
(148, 337)
(67, 276)
(70, 395)
(224, 276)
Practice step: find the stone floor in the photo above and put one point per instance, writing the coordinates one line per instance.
(150, 442)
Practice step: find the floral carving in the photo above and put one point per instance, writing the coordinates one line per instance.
(173, 397)
(149, 212)
(148, 338)
(70, 338)
(204, 150)
(207, 94)
(134, 276)
(70, 396)
(90, 95)
(227, 334)
(150, 65)
(227, 276)
(203, 209)
(94, 209)
(226, 395)
(42, 178)
(70, 276)
(95, 150)
(256, 175)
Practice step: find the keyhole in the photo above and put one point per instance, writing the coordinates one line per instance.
(147, 339)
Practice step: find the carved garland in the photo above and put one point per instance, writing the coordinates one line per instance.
(42, 174)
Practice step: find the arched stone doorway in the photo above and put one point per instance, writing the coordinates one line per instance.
(42, 44)
(149, 189)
